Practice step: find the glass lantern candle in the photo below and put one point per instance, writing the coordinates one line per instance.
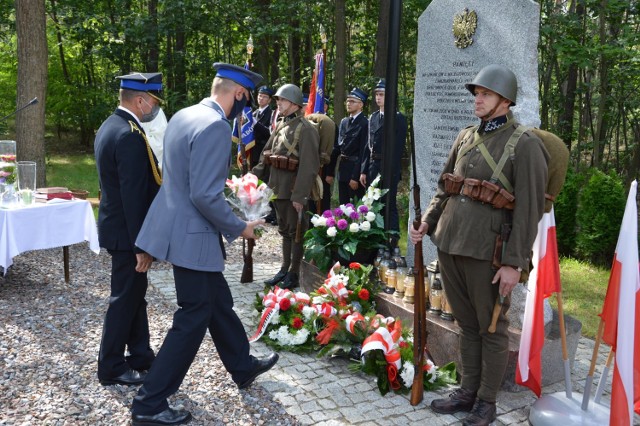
(384, 264)
(446, 314)
(409, 287)
(435, 297)
(401, 274)
(390, 277)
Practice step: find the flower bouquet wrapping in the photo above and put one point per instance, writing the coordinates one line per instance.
(347, 229)
(250, 197)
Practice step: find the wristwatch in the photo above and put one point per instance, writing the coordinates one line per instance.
(519, 269)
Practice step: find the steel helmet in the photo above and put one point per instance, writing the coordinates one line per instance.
(290, 92)
(498, 79)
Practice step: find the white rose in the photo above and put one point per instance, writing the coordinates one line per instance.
(365, 226)
(354, 227)
(332, 232)
(315, 220)
(371, 216)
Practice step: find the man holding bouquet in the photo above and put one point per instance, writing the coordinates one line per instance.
(185, 226)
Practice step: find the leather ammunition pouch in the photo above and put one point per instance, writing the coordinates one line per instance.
(266, 157)
(452, 183)
(282, 162)
(483, 191)
(471, 188)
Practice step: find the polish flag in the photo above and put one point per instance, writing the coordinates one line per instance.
(544, 280)
(621, 316)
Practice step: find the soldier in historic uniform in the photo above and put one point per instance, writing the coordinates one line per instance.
(129, 180)
(372, 159)
(483, 219)
(291, 160)
(185, 226)
(349, 148)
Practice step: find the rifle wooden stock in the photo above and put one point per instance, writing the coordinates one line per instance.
(419, 317)
(494, 317)
(247, 256)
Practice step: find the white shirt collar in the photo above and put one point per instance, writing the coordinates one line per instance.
(135, 117)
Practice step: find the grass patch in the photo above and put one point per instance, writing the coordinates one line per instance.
(583, 289)
(74, 171)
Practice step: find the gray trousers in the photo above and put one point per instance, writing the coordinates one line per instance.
(467, 285)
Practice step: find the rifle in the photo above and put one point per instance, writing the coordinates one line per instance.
(247, 245)
(419, 307)
(299, 228)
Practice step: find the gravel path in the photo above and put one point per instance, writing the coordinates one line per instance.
(49, 340)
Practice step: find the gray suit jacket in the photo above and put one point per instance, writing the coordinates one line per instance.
(188, 216)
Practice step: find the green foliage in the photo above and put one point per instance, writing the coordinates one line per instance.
(600, 209)
(565, 207)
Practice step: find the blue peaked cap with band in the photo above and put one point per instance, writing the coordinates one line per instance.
(266, 90)
(359, 94)
(245, 78)
(380, 86)
(149, 82)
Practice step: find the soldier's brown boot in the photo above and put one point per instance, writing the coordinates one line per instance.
(483, 414)
(458, 400)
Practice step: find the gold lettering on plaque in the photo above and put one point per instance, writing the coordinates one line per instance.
(464, 27)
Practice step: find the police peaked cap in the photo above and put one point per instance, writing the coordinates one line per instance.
(149, 82)
(245, 78)
(380, 86)
(358, 94)
(266, 90)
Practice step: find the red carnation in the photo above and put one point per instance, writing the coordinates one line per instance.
(363, 294)
(403, 344)
(297, 323)
(285, 304)
(300, 307)
(354, 265)
(322, 290)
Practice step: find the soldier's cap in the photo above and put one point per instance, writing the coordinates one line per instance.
(357, 94)
(148, 82)
(380, 86)
(245, 78)
(266, 90)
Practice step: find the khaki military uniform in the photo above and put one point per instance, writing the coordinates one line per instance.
(465, 231)
(291, 185)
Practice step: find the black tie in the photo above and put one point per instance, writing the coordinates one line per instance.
(381, 120)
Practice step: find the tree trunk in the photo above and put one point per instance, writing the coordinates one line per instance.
(295, 47)
(341, 54)
(32, 82)
(152, 46)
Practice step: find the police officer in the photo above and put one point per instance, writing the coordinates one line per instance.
(185, 226)
(349, 148)
(468, 231)
(372, 159)
(291, 160)
(129, 180)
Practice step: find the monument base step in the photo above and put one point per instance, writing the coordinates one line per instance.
(442, 340)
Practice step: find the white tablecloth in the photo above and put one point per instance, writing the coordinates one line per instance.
(46, 225)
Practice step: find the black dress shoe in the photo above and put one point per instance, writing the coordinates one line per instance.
(276, 279)
(129, 377)
(259, 366)
(290, 281)
(166, 417)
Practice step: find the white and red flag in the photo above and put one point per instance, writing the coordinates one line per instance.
(621, 316)
(544, 280)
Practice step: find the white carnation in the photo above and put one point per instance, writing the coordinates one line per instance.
(371, 216)
(308, 312)
(348, 211)
(332, 231)
(365, 226)
(407, 374)
(354, 227)
(315, 220)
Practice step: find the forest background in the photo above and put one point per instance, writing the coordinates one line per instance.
(68, 52)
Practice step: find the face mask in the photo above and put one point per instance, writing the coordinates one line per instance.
(151, 115)
(238, 107)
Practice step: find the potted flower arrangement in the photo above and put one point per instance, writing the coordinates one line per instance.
(348, 230)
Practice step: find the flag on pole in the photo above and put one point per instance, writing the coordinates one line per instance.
(544, 280)
(316, 94)
(248, 138)
(621, 316)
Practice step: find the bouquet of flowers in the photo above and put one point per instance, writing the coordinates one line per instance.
(249, 196)
(286, 320)
(347, 229)
(388, 355)
(7, 168)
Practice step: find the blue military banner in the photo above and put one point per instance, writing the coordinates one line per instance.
(248, 139)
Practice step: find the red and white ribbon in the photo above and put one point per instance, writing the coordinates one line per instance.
(271, 302)
(387, 341)
(352, 320)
